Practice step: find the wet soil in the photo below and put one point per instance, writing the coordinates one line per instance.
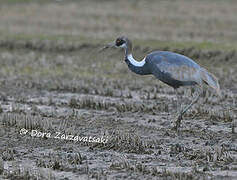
(71, 113)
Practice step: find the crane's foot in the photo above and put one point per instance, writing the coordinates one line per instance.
(178, 122)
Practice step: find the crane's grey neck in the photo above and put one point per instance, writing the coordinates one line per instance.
(138, 67)
(128, 47)
(134, 62)
(128, 55)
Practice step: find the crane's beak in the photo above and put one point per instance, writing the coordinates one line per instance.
(110, 45)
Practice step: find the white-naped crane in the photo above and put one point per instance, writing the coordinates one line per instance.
(171, 68)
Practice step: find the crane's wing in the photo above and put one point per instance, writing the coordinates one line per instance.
(172, 67)
(178, 70)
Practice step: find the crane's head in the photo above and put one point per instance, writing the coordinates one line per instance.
(120, 42)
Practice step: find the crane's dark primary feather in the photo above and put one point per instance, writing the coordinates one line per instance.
(210, 80)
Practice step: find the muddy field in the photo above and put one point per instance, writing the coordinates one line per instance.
(70, 112)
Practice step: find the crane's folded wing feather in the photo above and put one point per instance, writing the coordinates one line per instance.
(174, 66)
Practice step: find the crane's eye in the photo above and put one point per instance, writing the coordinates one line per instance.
(119, 42)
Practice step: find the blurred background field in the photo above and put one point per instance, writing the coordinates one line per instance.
(179, 21)
(52, 78)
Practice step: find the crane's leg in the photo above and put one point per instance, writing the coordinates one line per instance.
(183, 111)
(178, 102)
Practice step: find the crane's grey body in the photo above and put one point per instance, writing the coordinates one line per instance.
(171, 68)
(159, 63)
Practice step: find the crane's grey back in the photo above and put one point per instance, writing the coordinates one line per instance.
(171, 58)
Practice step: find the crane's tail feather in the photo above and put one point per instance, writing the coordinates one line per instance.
(210, 80)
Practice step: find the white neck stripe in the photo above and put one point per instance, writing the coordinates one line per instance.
(135, 62)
